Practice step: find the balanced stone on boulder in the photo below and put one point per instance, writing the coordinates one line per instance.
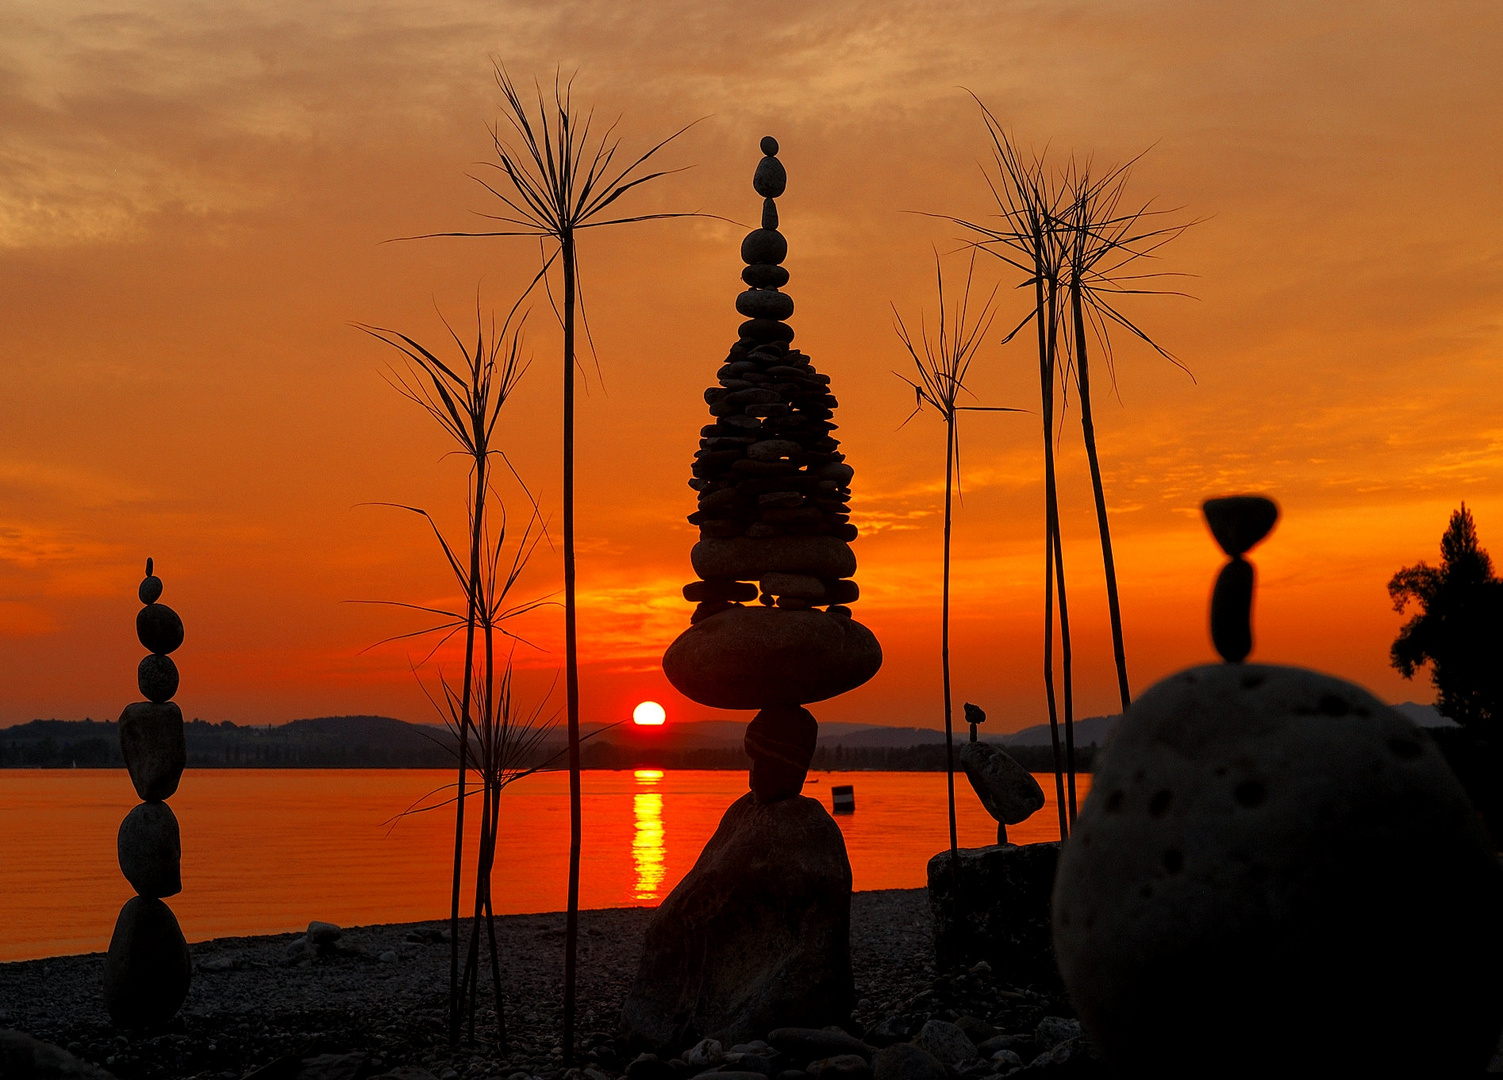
(1272, 867)
(147, 968)
(750, 657)
(755, 937)
(1007, 790)
(151, 741)
(150, 850)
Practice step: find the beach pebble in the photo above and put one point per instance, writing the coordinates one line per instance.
(298, 949)
(150, 589)
(159, 628)
(1007, 790)
(215, 963)
(388, 957)
(147, 969)
(150, 850)
(24, 1058)
(906, 1061)
(946, 1042)
(841, 1067)
(808, 1044)
(770, 180)
(323, 933)
(1238, 522)
(764, 304)
(704, 1053)
(758, 929)
(649, 1067)
(156, 676)
(748, 560)
(765, 276)
(764, 246)
(748, 657)
(151, 741)
(1273, 865)
(352, 1066)
(1053, 1030)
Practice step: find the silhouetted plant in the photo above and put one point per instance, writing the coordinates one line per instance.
(942, 362)
(467, 404)
(559, 181)
(1458, 629)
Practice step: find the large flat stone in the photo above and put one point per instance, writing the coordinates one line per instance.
(755, 937)
(747, 559)
(751, 657)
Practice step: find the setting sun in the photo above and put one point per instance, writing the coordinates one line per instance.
(648, 714)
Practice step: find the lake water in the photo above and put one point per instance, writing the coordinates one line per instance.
(266, 850)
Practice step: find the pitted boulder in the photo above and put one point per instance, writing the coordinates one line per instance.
(755, 937)
(151, 741)
(750, 657)
(1274, 866)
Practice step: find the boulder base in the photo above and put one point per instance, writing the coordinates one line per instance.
(750, 657)
(147, 970)
(755, 937)
(1273, 867)
(1004, 910)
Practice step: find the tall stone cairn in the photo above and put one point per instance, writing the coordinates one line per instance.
(147, 970)
(775, 530)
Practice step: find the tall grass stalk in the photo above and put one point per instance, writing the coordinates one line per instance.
(557, 178)
(942, 362)
(466, 401)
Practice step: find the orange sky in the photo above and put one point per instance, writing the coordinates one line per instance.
(192, 204)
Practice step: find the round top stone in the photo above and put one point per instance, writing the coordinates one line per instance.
(1239, 521)
(769, 146)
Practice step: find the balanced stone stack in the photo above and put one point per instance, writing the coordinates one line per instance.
(757, 935)
(147, 970)
(774, 521)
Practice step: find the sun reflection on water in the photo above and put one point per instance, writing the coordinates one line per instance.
(647, 842)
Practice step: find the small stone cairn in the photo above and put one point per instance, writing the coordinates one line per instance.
(147, 969)
(1276, 874)
(774, 521)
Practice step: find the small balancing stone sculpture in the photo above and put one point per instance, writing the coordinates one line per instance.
(1008, 791)
(757, 935)
(1276, 874)
(147, 970)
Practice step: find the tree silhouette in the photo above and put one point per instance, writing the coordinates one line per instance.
(1458, 629)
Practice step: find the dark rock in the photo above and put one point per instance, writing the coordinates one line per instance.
(649, 1067)
(323, 933)
(159, 628)
(147, 968)
(764, 246)
(769, 214)
(841, 1067)
(25, 1058)
(905, 1061)
(977, 1030)
(1274, 866)
(1053, 1030)
(1007, 790)
(780, 740)
(746, 658)
(837, 471)
(756, 935)
(805, 585)
(150, 589)
(900, 1027)
(764, 304)
(770, 180)
(1240, 521)
(946, 1042)
(1004, 893)
(150, 850)
(151, 741)
(997, 1043)
(356, 1066)
(804, 1045)
(156, 676)
(765, 276)
(720, 589)
(843, 592)
(748, 560)
(774, 449)
(1231, 610)
(769, 146)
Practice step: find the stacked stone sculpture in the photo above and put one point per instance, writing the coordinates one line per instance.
(1276, 874)
(147, 969)
(757, 935)
(774, 522)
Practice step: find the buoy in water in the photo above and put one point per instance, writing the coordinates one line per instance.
(844, 798)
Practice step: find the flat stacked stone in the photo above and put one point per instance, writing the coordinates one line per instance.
(147, 969)
(770, 466)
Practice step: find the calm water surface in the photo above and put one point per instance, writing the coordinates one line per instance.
(266, 850)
